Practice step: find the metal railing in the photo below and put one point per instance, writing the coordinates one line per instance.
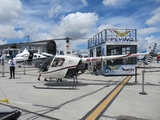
(22, 68)
(143, 72)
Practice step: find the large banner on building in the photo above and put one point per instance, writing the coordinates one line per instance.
(120, 70)
(113, 36)
(121, 35)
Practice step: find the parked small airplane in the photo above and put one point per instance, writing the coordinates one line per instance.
(22, 56)
(128, 69)
(72, 66)
(30, 56)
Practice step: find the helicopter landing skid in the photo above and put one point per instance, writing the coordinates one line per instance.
(48, 87)
(70, 88)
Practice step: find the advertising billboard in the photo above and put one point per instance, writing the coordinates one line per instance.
(121, 35)
(113, 36)
(120, 70)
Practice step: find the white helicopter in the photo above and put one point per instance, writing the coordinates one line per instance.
(73, 66)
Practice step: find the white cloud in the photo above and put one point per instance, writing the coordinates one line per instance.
(109, 2)
(122, 21)
(33, 30)
(150, 39)
(10, 10)
(116, 3)
(2, 42)
(151, 42)
(41, 36)
(149, 30)
(155, 17)
(146, 42)
(30, 28)
(107, 26)
(8, 31)
(53, 12)
(75, 25)
(10, 16)
(84, 2)
(39, 21)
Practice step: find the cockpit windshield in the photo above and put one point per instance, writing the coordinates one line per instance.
(58, 61)
(45, 65)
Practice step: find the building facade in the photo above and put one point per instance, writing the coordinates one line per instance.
(115, 42)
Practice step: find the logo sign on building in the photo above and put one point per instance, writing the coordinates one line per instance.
(121, 35)
(113, 35)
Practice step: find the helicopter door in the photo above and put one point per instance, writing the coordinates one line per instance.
(57, 64)
(45, 66)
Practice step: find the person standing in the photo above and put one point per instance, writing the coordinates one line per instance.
(2, 60)
(158, 58)
(95, 69)
(12, 64)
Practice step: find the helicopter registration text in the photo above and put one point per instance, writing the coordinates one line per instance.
(70, 61)
(94, 59)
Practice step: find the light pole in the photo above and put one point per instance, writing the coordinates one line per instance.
(28, 40)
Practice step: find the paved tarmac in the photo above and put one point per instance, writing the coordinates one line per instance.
(95, 97)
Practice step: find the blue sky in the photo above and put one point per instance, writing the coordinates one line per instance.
(78, 19)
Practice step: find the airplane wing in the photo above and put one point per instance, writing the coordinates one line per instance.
(47, 54)
(20, 59)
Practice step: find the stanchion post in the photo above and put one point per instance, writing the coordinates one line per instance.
(24, 67)
(3, 70)
(38, 65)
(143, 93)
(136, 75)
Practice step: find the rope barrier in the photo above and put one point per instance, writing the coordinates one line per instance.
(144, 93)
(153, 71)
(5, 99)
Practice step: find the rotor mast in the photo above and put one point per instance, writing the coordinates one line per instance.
(68, 48)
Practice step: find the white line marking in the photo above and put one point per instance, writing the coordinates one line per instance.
(141, 89)
(22, 103)
(111, 87)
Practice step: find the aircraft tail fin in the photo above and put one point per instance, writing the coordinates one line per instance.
(150, 55)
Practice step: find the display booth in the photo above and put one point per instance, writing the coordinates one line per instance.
(115, 42)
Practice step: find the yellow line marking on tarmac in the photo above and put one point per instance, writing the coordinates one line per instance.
(102, 106)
